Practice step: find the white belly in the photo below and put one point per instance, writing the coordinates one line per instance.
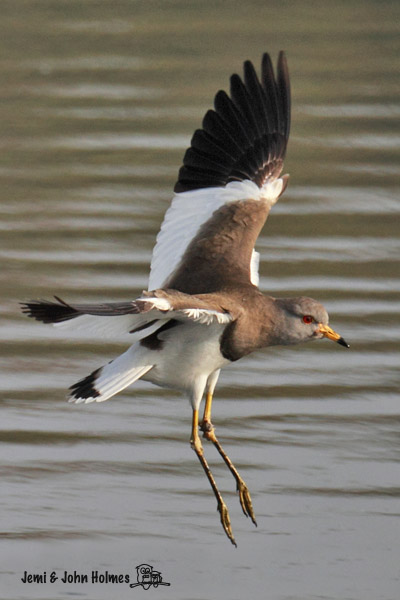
(190, 353)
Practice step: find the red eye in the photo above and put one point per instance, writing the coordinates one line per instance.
(308, 319)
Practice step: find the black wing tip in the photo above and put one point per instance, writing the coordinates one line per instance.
(251, 126)
(85, 388)
(47, 311)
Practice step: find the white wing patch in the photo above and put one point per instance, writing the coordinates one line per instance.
(114, 325)
(111, 326)
(206, 317)
(161, 304)
(189, 211)
(162, 309)
(255, 262)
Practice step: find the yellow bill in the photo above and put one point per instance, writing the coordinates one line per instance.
(332, 335)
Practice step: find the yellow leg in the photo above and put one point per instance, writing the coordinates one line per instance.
(209, 433)
(197, 446)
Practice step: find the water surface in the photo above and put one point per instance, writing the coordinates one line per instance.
(98, 103)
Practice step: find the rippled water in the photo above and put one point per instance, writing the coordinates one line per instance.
(98, 103)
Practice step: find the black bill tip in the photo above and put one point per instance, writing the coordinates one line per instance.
(343, 342)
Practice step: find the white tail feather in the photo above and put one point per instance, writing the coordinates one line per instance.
(112, 378)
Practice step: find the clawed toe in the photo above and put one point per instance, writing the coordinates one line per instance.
(245, 500)
(207, 428)
(225, 521)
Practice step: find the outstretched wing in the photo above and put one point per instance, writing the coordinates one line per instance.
(88, 317)
(47, 311)
(140, 316)
(227, 184)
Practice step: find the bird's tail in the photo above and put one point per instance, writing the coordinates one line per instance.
(107, 381)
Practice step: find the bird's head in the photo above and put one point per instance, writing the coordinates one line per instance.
(304, 319)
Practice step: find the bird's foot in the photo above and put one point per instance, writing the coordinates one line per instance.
(244, 495)
(225, 521)
(245, 500)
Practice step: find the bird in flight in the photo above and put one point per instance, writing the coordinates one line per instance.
(203, 308)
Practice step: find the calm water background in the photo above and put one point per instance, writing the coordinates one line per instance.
(98, 103)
